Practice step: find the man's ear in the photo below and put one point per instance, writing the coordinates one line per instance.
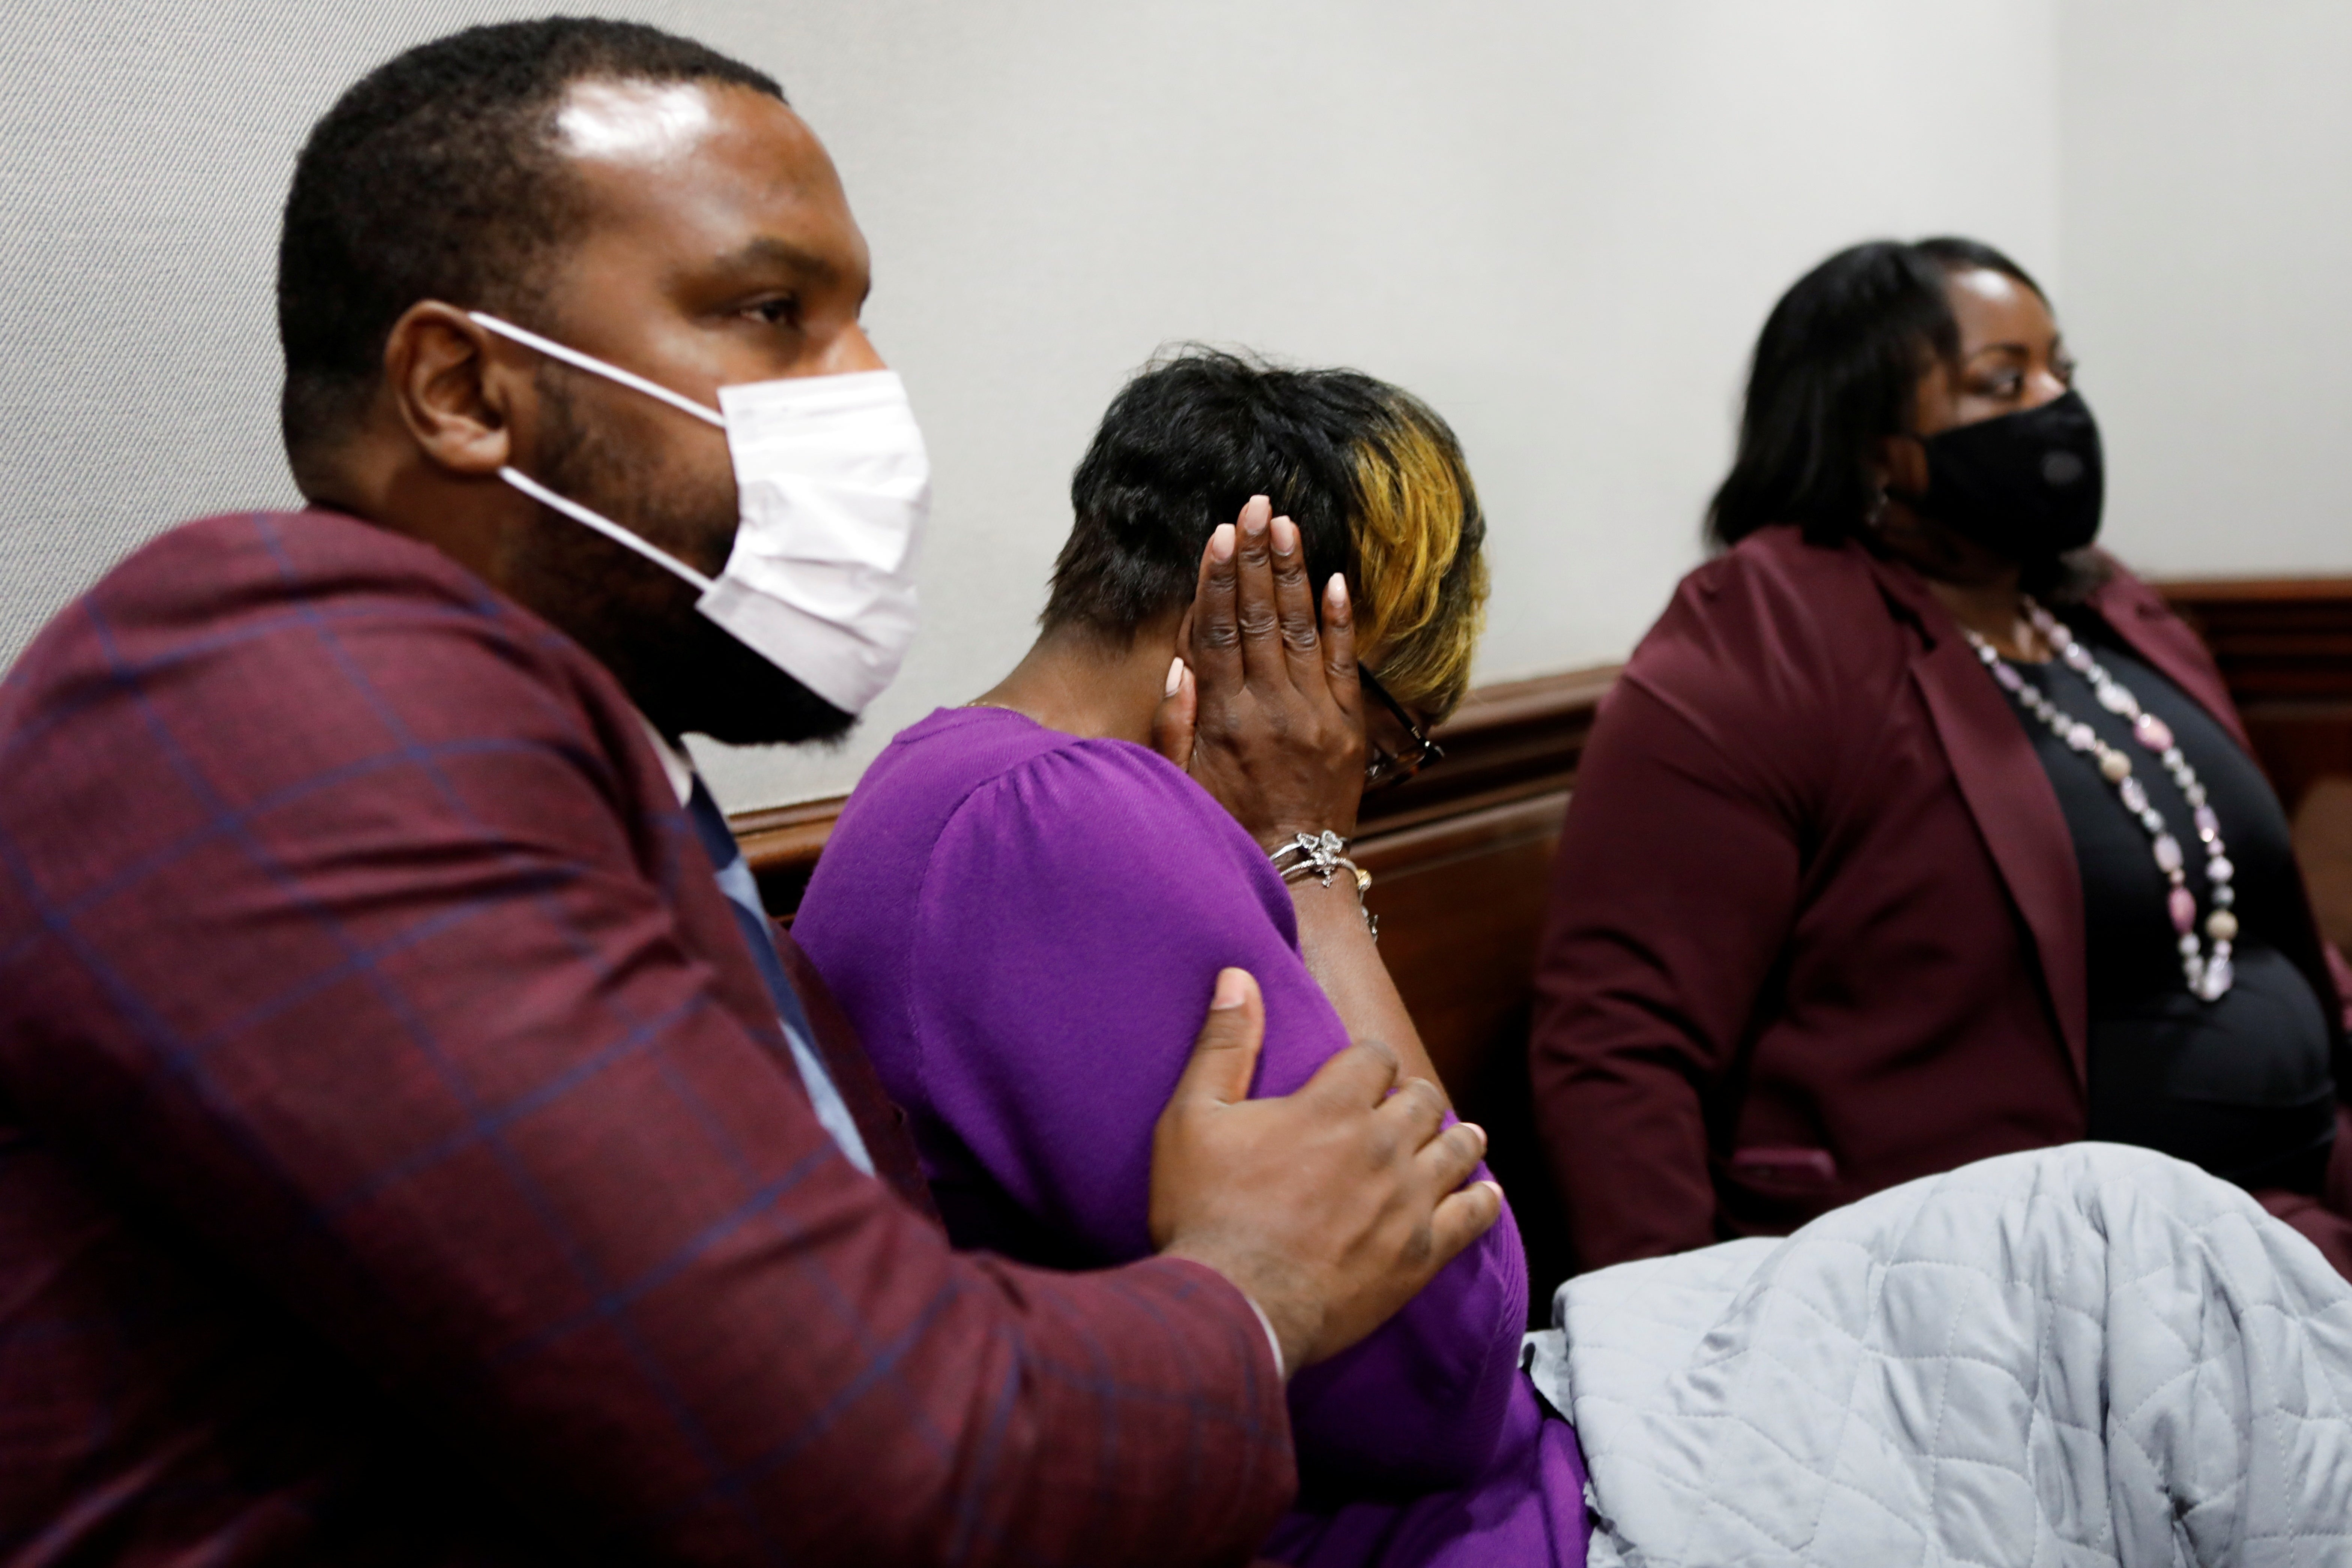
(453, 387)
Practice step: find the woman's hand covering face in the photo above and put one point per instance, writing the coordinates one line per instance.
(1265, 711)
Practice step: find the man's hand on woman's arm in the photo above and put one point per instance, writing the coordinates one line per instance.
(1329, 1208)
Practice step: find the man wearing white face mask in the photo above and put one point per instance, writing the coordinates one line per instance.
(833, 485)
(413, 1143)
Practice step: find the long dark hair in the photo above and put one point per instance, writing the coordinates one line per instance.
(1835, 370)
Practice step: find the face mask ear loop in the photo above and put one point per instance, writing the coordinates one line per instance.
(610, 529)
(595, 366)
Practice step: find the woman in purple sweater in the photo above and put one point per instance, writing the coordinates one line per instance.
(1025, 906)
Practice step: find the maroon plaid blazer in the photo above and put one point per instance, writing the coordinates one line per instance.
(399, 1162)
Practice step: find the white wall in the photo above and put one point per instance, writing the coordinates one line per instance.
(1560, 223)
(2208, 235)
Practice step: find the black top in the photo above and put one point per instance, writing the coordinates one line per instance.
(2241, 1086)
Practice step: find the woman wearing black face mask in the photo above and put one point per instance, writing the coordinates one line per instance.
(1916, 831)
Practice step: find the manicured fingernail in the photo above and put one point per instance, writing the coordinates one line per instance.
(1228, 990)
(1175, 678)
(1220, 543)
(1335, 592)
(1481, 1132)
(1285, 536)
(1493, 1187)
(1254, 521)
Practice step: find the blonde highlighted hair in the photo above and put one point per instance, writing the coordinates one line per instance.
(1421, 571)
(1373, 476)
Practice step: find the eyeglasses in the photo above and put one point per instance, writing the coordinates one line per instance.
(1384, 769)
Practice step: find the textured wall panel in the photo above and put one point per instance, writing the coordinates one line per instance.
(144, 150)
(1562, 223)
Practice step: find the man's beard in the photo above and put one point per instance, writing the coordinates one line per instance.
(686, 673)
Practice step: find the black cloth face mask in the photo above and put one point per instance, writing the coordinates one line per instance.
(2026, 486)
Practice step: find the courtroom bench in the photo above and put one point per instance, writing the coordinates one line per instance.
(1460, 854)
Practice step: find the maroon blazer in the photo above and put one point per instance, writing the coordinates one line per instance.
(1816, 926)
(400, 1160)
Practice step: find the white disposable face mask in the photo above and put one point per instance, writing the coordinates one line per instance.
(832, 487)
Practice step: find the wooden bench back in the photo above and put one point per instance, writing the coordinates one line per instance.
(1461, 855)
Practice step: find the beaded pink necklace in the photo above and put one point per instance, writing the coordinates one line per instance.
(2209, 974)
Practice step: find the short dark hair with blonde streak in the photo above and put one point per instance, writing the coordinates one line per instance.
(1373, 477)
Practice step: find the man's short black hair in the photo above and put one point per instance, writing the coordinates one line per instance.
(1373, 477)
(435, 178)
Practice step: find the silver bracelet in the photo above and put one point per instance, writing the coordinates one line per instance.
(1310, 854)
(1324, 856)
